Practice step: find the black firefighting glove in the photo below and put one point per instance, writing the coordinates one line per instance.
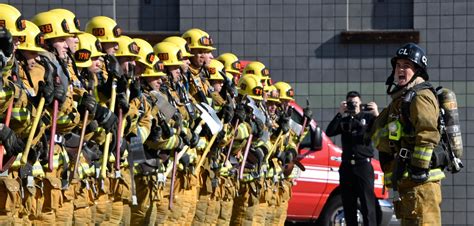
(255, 157)
(178, 120)
(46, 90)
(239, 113)
(113, 66)
(6, 43)
(165, 129)
(91, 151)
(284, 124)
(122, 103)
(135, 89)
(418, 175)
(156, 131)
(226, 113)
(257, 127)
(8, 138)
(88, 103)
(290, 155)
(185, 160)
(106, 118)
(60, 90)
(131, 71)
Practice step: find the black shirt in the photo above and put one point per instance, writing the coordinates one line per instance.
(352, 130)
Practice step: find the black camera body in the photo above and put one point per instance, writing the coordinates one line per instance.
(351, 107)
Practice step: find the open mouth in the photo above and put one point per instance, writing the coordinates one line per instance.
(402, 78)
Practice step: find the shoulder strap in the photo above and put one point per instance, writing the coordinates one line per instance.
(408, 98)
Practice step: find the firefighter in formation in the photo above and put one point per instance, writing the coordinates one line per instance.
(100, 128)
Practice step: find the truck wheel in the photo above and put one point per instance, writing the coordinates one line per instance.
(333, 213)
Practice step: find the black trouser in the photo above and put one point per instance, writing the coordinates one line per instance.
(357, 181)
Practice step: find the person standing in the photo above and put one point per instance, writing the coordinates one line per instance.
(356, 174)
(406, 134)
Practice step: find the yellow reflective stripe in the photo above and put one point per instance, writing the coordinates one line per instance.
(21, 114)
(5, 93)
(421, 157)
(379, 133)
(388, 178)
(247, 177)
(143, 131)
(171, 143)
(38, 170)
(436, 174)
(16, 164)
(64, 119)
(242, 132)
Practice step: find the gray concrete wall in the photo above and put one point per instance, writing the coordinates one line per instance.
(299, 40)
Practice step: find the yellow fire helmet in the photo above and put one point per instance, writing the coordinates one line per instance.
(33, 40)
(146, 56)
(259, 69)
(250, 85)
(51, 25)
(181, 43)
(157, 70)
(286, 92)
(71, 19)
(11, 19)
(272, 94)
(198, 39)
(168, 53)
(216, 70)
(231, 63)
(88, 48)
(126, 47)
(104, 28)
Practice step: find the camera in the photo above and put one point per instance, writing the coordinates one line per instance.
(351, 106)
(364, 107)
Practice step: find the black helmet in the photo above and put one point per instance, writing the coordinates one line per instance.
(412, 52)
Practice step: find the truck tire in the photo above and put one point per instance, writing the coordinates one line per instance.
(333, 213)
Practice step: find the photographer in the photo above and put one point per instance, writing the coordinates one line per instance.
(356, 174)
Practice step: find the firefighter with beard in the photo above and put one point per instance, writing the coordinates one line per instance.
(182, 122)
(201, 46)
(406, 138)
